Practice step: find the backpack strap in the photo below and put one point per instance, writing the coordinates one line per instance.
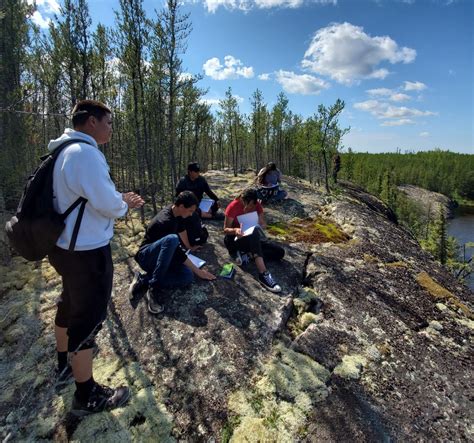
(82, 201)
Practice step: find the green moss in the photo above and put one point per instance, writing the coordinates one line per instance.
(438, 292)
(308, 230)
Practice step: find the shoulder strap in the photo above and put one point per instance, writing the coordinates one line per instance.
(80, 201)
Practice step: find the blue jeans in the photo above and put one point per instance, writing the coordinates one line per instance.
(156, 260)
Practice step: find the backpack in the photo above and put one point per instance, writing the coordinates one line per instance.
(36, 227)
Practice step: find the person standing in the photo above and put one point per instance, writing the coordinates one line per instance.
(81, 170)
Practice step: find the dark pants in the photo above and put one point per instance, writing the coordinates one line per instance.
(87, 285)
(156, 259)
(253, 243)
(197, 233)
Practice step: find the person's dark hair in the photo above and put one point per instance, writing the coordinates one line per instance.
(186, 198)
(194, 167)
(86, 108)
(249, 195)
(260, 180)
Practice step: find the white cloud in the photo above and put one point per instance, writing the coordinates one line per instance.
(424, 134)
(401, 122)
(233, 68)
(347, 54)
(247, 5)
(214, 101)
(300, 84)
(391, 94)
(38, 19)
(264, 77)
(383, 110)
(414, 86)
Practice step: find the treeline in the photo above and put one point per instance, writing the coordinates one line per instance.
(161, 120)
(440, 171)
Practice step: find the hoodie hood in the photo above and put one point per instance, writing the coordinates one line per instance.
(68, 135)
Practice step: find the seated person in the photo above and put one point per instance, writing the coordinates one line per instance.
(262, 250)
(270, 177)
(162, 255)
(193, 181)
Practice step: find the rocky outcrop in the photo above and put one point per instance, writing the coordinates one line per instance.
(430, 202)
(369, 339)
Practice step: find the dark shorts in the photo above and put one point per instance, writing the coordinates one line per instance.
(87, 286)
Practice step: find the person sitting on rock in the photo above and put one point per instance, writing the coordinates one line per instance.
(162, 255)
(240, 246)
(194, 182)
(268, 182)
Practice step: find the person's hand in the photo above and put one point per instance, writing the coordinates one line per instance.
(238, 232)
(133, 200)
(206, 214)
(205, 275)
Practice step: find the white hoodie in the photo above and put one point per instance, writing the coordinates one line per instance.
(82, 171)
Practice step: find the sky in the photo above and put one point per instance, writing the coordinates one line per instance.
(404, 68)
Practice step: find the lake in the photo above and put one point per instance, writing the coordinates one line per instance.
(462, 228)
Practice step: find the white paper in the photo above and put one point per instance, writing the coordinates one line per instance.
(206, 204)
(196, 260)
(248, 220)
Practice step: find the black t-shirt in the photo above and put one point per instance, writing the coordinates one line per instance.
(162, 224)
(198, 187)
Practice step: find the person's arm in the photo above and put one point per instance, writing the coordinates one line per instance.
(183, 235)
(228, 229)
(201, 273)
(208, 191)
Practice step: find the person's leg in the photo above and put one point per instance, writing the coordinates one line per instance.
(272, 251)
(194, 229)
(155, 259)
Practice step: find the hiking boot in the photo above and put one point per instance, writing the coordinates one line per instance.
(63, 377)
(153, 306)
(101, 398)
(138, 286)
(266, 280)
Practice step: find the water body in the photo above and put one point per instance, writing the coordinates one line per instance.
(461, 227)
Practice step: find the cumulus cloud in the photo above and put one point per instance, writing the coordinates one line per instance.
(300, 84)
(231, 69)
(347, 54)
(401, 122)
(247, 5)
(424, 134)
(38, 19)
(395, 115)
(214, 101)
(390, 94)
(264, 77)
(414, 86)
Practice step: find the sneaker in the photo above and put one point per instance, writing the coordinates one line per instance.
(238, 258)
(245, 258)
(138, 286)
(153, 306)
(266, 280)
(63, 377)
(101, 398)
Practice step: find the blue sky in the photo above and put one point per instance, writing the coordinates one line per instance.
(403, 67)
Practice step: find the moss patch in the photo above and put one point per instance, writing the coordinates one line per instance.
(351, 366)
(318, 230)
(438, 292)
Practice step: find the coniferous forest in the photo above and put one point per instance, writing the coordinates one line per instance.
(161, 121)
